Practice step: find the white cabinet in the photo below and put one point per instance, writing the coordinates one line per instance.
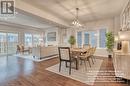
(121, 64)
(44, 52)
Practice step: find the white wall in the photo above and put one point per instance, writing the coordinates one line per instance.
(94, 25)
(111, 24)
(117, 25)
(62, 35)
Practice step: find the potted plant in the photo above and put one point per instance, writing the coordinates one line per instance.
(72, 40)
(109, 43)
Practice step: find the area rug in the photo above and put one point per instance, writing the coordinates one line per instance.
(85, 75)
(30, 57)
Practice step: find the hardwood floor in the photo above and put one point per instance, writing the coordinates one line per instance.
(22, 72)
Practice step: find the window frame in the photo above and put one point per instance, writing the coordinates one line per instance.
(25, 40)
(81, 39)
(97, 37)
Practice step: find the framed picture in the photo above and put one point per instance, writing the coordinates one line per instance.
(51, 36)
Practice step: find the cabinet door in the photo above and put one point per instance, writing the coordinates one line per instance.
(125, 66)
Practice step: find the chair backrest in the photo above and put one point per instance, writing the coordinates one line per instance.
(86, 46)
(18, 48)
(64, 53)
(93, 50)
(22, 48)
(88, 53)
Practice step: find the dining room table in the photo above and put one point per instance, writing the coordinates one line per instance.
(78, 50)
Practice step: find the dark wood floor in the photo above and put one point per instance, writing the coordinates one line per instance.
(20, 72)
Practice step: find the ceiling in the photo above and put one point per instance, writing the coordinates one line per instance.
(46, 14)
(26, 19)
(89, 9)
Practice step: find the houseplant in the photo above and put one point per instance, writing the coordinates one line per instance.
(109, 43)
(72, 40)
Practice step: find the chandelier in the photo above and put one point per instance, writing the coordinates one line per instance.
(76, 21)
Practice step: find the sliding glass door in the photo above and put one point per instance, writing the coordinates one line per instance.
(28, 40)
(8, 43)
(36, 39)
(3, 44)
(12, 41)
(32, 40)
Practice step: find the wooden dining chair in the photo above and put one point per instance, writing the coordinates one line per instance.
(18, 49)
(65, 56)
(92, 54)
(87, 46)
(86, 57)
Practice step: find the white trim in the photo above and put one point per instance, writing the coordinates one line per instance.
(101, 48)
(101, 56)
(98, 36)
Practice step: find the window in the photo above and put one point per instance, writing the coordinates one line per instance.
(8, 43)
(86, 38)
(90, 38)
(102, 38)
(12, 39)
(79, 39)
(36, 39)
(3, 48)
(93, 38)
(28, 40)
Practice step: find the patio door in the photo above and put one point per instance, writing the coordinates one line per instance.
(12, 41)
(3, 44)
(8, 43)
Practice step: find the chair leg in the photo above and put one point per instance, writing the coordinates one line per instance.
(85, 65)
(89, 63)
(66, 64)
(92, 60)
(80, 62)
(70, 69)
(60, 66)
(76, 64)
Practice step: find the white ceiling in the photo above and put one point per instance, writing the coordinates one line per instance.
(27, 20)
(89, 9)
(65, 10)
